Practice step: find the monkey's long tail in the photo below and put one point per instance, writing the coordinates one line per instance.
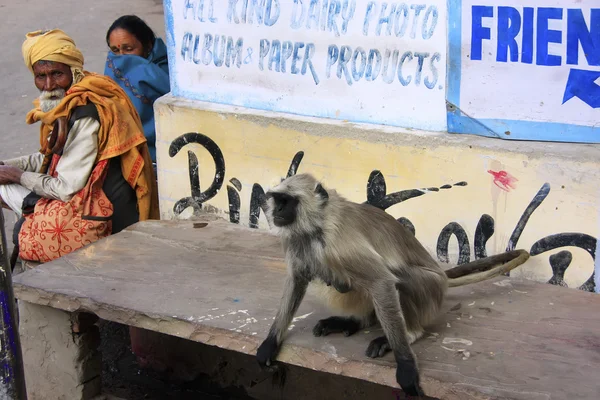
(481, 270)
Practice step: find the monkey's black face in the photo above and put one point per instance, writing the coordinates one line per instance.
(284, 210)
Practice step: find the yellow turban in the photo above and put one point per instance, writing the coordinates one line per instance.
(52, 45)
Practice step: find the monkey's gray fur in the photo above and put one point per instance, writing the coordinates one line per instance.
(362, 263)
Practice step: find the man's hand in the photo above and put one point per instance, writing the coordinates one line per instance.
(9, 174)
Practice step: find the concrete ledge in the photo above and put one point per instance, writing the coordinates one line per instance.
(500, 339)
(575, 152)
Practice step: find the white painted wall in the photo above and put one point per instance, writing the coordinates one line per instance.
(414, 41)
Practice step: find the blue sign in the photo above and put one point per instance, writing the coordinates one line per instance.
(524, 72)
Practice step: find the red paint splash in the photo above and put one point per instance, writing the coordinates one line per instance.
(503, 180)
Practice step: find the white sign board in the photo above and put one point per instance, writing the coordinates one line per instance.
(525, 69)
(356, 60)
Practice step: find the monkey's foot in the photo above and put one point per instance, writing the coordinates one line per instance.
(407, 377)
(347, 326)
(267, 351)
(378, 347)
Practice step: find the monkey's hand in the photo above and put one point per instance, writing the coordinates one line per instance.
(267, 352)
(408, 378)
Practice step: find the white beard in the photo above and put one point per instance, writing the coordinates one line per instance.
(47, 103)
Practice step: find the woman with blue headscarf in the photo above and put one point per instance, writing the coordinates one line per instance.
(137, 61)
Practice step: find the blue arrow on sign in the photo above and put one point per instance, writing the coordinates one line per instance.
(581, 83)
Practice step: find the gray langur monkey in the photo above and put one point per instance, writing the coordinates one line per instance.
(364, 264)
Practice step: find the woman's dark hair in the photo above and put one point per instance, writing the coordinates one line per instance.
(137, 27)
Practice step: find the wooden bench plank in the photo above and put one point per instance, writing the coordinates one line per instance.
(220, 284)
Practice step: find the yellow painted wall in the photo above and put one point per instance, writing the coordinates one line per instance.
(258, 148)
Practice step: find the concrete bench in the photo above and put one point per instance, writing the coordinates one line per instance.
(219, 284)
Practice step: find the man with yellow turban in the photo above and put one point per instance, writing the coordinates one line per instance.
(93, 175)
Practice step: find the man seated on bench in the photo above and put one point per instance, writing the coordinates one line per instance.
(93, 175)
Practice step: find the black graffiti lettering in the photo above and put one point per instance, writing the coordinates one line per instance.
(234, 205)
(581, 240)
(589, 285)
(376, 192)
(256, 204)
(234, 200)
(197, 196)
(295, 163)
(377, 196)
(182, 204)
(409, 225)
(559, 263)
(236, 183)
(551, 242)
(194, 175)
(535, 203)
(464, 250)
(376, 188)
(483, 233)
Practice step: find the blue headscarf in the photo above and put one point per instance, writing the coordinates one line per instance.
(144, 80)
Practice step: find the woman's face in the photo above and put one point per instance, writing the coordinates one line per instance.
(122, 42)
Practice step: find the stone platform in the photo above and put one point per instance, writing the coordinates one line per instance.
(217, 283)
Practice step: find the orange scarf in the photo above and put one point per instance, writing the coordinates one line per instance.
(121, 134)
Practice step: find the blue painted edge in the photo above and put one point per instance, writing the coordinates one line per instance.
(519, 130)
(453, 65)
(170, 39)
(522, 130)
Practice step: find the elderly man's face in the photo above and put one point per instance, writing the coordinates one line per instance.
(52, 79)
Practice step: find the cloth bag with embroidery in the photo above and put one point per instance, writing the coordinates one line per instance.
(56, 228)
